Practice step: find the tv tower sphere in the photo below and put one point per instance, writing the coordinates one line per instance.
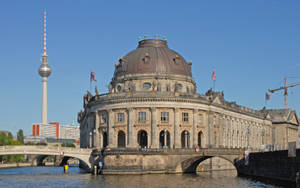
(45, 69)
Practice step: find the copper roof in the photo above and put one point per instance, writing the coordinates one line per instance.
(153, 56)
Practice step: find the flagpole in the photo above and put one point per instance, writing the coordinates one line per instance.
(90, 85)
(214, 83)
(265, 102)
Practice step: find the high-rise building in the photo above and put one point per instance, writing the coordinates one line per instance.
(55, 130)
(44, 71)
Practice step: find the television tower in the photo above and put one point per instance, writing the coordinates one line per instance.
(44, 71)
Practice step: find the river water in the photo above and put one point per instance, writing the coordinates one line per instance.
(54, 177)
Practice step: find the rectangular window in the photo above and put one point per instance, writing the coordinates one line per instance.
(185, 117)
(158, 87)
(200, 118)
(142, 116)
(164, 116)
(120, 117)
(103, 118)
(214, 120)
(167, 87)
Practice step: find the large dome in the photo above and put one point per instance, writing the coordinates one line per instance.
(152, 56)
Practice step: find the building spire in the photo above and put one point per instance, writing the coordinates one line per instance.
(45, 33)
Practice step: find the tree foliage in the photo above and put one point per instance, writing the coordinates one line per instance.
(8, 140)
(66, 144)
(20, 136)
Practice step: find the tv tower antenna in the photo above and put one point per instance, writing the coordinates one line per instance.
(44, 72)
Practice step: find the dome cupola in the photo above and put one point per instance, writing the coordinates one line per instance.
(152, 56)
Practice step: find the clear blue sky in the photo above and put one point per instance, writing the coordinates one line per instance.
(252, 45)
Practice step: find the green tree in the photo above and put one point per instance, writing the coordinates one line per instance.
(8, 140)
(66, 144)
(10, 136)
(20, 136)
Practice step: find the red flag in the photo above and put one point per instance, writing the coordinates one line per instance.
(93, 74)
(268, 96)
(214, 76)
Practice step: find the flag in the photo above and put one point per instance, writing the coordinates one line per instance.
(93, 74)
(214, 76)
(268, 96)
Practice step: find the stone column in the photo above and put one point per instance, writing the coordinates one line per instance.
(154, 134)
(176, 128)
(97, 135)
(194, 133)
(111, 132)
(165, 139)
(131, 137)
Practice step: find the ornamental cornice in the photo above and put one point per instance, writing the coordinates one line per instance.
(141, 125)
(216, 108)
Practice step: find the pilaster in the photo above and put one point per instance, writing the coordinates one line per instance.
(111, 132)
(154, 135)
(131, 137)
(194, 133)
(176, 137)
(97, 135)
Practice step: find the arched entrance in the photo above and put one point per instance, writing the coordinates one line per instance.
(121, 139)
(185, 137)
(143, 139)
(105, 139)
(164, 139)
(200, 137)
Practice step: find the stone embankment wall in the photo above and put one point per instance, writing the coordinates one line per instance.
(271, 165)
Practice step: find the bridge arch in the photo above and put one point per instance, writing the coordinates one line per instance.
(189, 165)
(83, 155)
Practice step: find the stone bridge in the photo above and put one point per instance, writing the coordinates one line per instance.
(142, 161)
(132, 161)
(84, 155)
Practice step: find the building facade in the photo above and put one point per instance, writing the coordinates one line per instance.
(152, 103)
(55, 130)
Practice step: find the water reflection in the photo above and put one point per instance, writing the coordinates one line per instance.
(54, 177)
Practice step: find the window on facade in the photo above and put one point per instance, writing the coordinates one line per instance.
(167, 87)
(158, 87)
(120, 117)
(185, 117)
(178, 87)
(142, 116)
(103, 118)
(119, 88)
(200, 118)
(164, 116)
(146, 85)
(214, 120)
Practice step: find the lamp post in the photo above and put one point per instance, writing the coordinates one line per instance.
(90, 139)
(94, 138)
(248, 136)
(185, 139)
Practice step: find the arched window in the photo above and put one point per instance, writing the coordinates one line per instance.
(164, 139)
(105, 139)
(121, 139)
(185, 137)
(143, 139)
(200, 137)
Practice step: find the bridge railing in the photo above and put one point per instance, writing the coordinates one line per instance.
(44, 148)
(177, 151)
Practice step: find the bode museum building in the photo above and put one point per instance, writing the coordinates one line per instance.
(152, 103)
